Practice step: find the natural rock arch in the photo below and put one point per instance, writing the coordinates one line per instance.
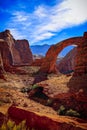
(49, 62)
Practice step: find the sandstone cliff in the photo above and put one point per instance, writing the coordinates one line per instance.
(13, 52)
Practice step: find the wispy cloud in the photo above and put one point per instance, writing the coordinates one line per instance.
(16, 33)
(45, 21)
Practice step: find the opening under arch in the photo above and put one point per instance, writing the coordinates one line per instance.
(65, 62)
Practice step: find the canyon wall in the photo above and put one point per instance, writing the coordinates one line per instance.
(81, 59)
(14, 52)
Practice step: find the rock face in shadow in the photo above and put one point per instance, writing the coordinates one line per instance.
(81, 58)
(1, 65)
(67, 64)
(6, 57)
(13, 52)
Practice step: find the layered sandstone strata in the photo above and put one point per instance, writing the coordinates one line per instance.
(13, 52)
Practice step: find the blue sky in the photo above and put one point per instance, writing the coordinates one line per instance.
(44, 21)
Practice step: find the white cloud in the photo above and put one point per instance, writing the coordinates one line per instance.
(40, 12)
(16, 33)
(46, 21)
(19, 16)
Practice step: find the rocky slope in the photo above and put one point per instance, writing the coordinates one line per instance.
(68, 91)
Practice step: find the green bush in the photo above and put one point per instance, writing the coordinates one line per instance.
(27, 89)
(34, 86)
(49, 102)
(61, 110)
(72, 112)
(24, 90)
(10, 125)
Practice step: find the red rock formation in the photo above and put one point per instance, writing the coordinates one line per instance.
(41, 121)
(14, 53)
(2, 118)
(24, 50)
(2, 71)
(10, 42)
(38, 62)
(81, 59)
(6, 56)
(76, 101)
(49, 64)
(1, 65)
(67, 64)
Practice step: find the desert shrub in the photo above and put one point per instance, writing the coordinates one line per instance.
(27, 89)
(10, 125)
(24, 90)
(49, 102)
(34, 86)
(61, 110)
(72, 112)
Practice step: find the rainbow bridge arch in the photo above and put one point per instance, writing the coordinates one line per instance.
(49, 62)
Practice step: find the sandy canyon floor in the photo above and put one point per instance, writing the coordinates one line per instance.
(10, 91)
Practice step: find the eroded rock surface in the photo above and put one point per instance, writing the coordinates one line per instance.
(49, 63)
(13, 52)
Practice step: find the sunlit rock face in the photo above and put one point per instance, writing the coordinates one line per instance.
(24, 51)
(14, 52)
(49, 64)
